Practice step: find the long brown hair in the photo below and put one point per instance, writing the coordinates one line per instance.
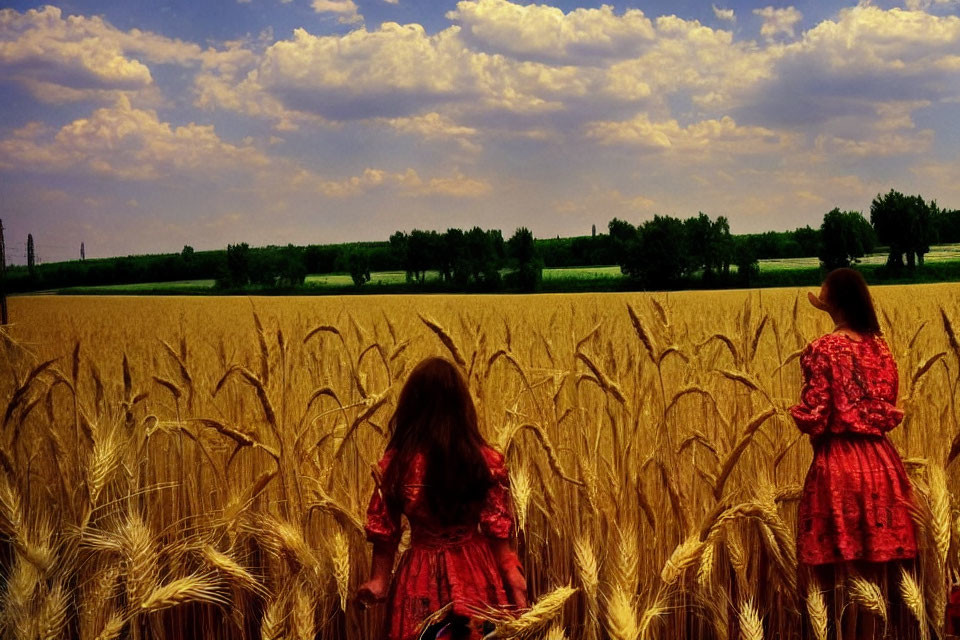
(435, 415)
(847, 292)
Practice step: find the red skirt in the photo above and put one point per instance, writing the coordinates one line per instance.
(856, 503)
(436, 571)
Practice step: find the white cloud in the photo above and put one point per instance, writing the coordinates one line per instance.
(123, 142)
(401, 71)
(724, 14)
(695, 141)
(67, 58)
(880, 145)
(345, 9)
(544, 33)
(435, 126)
(394, 71)
(925, 5)
(40, 46)
(842, 69)
(777, 21)
(408, 183)
(691, 60)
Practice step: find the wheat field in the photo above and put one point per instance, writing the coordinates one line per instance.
(200, 467)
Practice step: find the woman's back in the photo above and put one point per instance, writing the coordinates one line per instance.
(493, 514)
(852, 386)
(446, 563)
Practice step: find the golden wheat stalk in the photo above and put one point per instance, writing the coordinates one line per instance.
(533, 621)
(445, 338)
(340, 557)
(913, 597)
(868, 595)
(683, 557)
(817, 610)
(751, 627)
(232, 570)
(940, 509)
(621, 617)
(195, 588)
(651, 615)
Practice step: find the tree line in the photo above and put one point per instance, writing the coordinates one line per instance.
(666, 252)
(466, 260)
(663, 252)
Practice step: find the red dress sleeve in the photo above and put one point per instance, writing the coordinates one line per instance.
(383, 524)
(496, 515)
(812, 413)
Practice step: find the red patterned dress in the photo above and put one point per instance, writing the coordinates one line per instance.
(856, 497)
(444, 564)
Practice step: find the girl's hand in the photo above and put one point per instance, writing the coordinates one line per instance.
(516, 586)
(372, 591)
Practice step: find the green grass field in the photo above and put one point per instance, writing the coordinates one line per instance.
(940, 253)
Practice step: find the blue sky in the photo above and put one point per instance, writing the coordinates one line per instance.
(140, 127)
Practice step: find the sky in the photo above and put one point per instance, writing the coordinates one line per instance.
(141, 127)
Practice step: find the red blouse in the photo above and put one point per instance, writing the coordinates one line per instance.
(856, 497)
(850, 387)
(444, 563)
(495, 518)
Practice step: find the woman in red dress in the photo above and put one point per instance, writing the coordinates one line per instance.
(454, 490)
(854, 515)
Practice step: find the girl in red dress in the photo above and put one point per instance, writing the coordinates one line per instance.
(854, 515)
(454, 490)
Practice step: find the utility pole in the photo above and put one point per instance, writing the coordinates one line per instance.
(83, 254)
(3, 278)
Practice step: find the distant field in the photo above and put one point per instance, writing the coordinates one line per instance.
(940, 253)
(141, 287)
(567, 273)
(344, 280)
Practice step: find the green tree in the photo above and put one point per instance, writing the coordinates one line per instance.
(358, 263)
(398, 249)
(946, 224)
(699, 238)
(904, 224)
(722, 248)
(625, 247)
(663, 252)
(745, 257)
(421, 254)
(454, 265)
(237, 266)
(708, 246)
(321, 259)
(808, 240)
(522, 250)
(485, 252)
(846, 237)
(292, 267)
